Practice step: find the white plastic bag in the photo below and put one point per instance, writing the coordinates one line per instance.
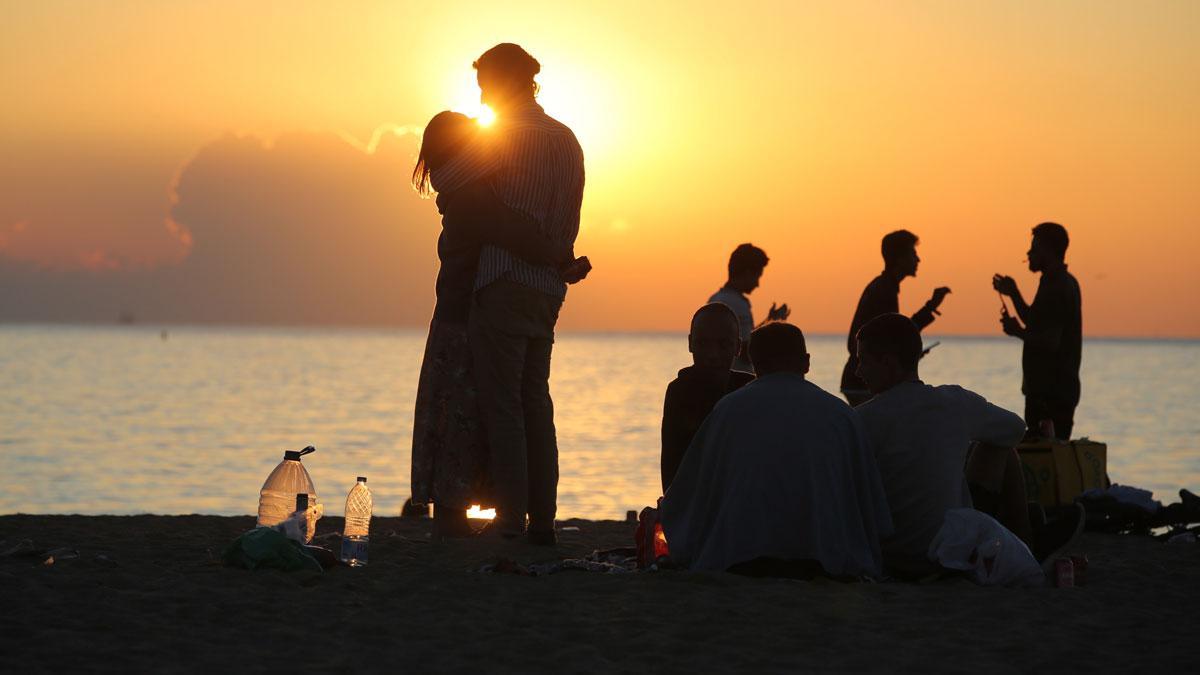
(974, 542)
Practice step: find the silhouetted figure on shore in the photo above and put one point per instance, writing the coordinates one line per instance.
(1052, 331)
(779, 479)
(714, 341)
(921, 436)
(449, 452)
(746, 265)
(536, 166)
(882, 296)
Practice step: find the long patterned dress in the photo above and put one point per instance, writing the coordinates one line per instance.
(449, 450)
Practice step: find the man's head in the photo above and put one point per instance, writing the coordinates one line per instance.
(778, 347)
(714, 339)
(900, 253)
(505, 75)
(889, 347)
(1049, 246)
(746, 265)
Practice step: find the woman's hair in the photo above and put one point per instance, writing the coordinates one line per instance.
(445, 134)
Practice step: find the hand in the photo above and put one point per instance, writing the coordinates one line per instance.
(780, 313)
(1004, 285)
(576, 270)
(1011, 326)
(939, 294)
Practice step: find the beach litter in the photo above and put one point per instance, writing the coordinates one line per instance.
(611, 561)
(265, 547)
(991, 555)
(23, 547)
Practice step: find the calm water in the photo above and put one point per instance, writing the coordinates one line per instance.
(117, 420)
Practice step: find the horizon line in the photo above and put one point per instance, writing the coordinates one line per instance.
(381, 327)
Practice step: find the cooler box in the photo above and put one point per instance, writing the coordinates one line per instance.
(1056, 472)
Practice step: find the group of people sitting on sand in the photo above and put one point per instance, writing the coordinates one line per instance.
(762, 470)
(766, 473)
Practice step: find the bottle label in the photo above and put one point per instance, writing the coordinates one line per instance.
(354, 550)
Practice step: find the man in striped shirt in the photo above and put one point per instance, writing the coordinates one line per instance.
(535, 165)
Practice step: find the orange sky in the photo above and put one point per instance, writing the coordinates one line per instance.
(809, 130)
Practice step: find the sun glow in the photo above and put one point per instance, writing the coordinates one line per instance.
(481, 514)
(485, 117)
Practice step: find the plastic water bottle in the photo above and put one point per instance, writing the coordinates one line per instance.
(277, 499)
(355, 538)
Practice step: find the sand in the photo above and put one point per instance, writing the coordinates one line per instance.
(146, 594)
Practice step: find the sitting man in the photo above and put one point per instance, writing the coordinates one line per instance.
(714, 342)
(921, 436)
(779, 479)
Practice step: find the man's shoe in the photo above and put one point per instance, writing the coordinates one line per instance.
(542, 537)
(1054, 537)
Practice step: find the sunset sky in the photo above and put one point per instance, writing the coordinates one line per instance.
(233, 161)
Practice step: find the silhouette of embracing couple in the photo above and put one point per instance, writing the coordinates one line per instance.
(509, 195)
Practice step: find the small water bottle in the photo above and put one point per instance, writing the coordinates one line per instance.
(277, 498)
(356, 538)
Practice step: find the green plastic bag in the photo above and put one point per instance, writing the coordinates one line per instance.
(266, 547)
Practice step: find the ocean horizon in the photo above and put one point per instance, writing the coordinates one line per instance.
(174, 418)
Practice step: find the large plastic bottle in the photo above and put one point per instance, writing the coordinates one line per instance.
(277, 499)
(355, 538)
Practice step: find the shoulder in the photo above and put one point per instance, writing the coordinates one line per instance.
(537, 121)
(881, 284)
(832, 407)
(729, 298)
(953, 391)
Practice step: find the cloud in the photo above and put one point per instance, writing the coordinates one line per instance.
(308, 228)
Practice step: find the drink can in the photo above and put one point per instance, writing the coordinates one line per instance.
(1046, 428)
(1080, 565)
(1064, 573)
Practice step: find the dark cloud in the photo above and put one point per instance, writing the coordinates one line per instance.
(311, 228)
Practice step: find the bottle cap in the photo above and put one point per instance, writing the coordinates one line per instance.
(297, 454)
(362, 479)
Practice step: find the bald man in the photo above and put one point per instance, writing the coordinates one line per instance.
(714, 341)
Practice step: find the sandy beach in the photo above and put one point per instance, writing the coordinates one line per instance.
(147, 593)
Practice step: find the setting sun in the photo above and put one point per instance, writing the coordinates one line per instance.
(485, 116)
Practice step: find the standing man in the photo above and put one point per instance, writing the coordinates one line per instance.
(536, 167)
(1052, 333)
(882, 296)
(746, 265)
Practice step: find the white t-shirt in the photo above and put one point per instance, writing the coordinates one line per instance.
(740, 305)
(920, 435)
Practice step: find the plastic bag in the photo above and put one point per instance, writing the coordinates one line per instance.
(268, 547)
(974, 542)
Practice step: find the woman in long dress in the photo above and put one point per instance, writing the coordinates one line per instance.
(449, 450)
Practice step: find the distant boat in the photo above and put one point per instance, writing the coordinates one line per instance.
(126, 318)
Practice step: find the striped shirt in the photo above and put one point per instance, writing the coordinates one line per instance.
(536, 166)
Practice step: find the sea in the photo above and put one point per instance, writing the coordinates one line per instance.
(187, 419)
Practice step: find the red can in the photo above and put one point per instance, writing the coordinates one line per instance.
(1064, 573)
(1080, 564)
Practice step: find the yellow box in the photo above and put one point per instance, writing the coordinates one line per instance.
(1056, 472)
